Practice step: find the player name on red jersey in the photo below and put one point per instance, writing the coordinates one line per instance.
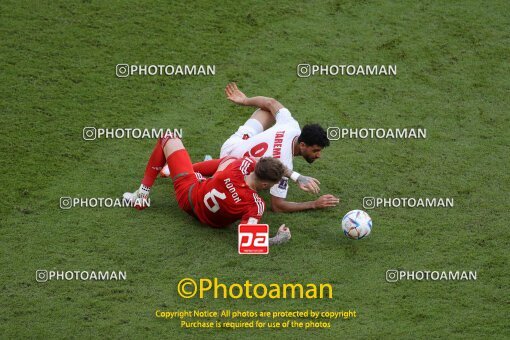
(232, 189)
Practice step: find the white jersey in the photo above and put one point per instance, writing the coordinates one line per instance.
(276, 142)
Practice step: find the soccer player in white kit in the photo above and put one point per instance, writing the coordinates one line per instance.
(273, 132)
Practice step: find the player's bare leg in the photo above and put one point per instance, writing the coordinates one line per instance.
(265, 118)
(171, 145)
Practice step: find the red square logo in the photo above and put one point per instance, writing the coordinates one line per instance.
(253, 238)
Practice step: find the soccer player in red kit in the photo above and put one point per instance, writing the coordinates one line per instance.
(230, 195)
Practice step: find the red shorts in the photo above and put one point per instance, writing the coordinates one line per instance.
(184, 179)
(183, 187)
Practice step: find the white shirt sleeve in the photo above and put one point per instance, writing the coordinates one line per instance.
(283, 116)
(280, 189)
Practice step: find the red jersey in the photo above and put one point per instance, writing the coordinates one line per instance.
(226, 198)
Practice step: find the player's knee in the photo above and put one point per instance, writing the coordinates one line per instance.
(172, 146)
(264, 117)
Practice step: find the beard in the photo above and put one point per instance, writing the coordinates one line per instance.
(309, 160)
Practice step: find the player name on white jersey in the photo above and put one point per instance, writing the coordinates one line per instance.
(278, 141)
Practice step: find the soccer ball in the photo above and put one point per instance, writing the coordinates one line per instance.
(356, 224)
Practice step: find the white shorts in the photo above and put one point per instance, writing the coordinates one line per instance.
(251, 128)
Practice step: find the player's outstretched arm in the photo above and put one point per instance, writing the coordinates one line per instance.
(279, 204)
(236, 96)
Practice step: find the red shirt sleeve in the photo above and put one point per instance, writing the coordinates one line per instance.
(246, 165)
(255, 210)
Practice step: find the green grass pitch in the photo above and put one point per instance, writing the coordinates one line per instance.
(57, 71)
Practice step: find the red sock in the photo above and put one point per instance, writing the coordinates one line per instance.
(207, 168)
(155, 164)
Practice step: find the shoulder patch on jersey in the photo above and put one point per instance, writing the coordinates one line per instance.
(284, 182)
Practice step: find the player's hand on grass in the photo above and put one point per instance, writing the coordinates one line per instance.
(309, 184)
(234, 94)
(326, 201)
(282, 236)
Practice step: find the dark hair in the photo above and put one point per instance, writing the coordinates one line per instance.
(269, 169)
(313, 134)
